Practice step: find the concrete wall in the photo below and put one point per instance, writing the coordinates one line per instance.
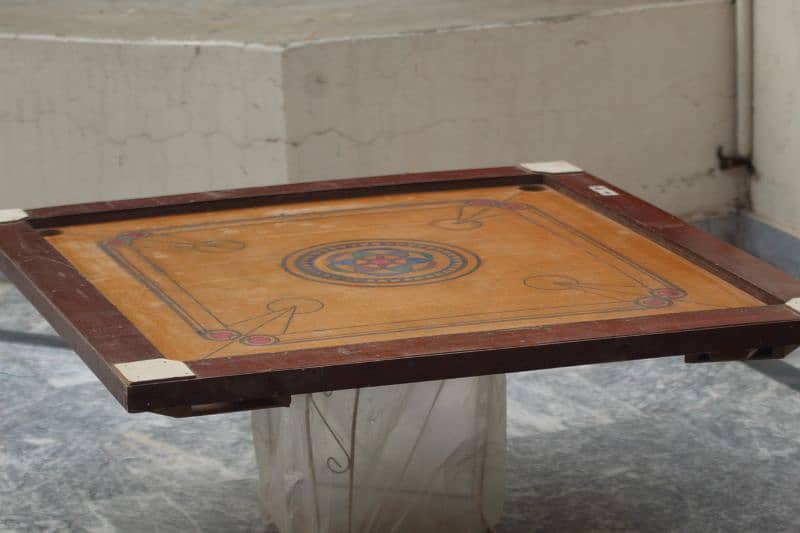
(86, 120)
(776, 187)
(642, 97)
(637, 91)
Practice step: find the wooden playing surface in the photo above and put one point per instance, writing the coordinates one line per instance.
(338, 272)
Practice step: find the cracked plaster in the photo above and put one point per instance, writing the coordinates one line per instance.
(639, 96)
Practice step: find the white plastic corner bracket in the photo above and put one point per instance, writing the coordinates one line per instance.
(12, 215)
(154, 370)
(552, 167)
(794, 304)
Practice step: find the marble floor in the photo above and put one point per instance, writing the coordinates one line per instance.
(646, 446)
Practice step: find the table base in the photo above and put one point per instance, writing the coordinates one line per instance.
(419, 457)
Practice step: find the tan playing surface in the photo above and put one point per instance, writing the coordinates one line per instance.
(272, 279)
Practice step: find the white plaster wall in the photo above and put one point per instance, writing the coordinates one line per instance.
(776, 188)
(121, 104)
(282, 21)
(99, 120)
(641, 97)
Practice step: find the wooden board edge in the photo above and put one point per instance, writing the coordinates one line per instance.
(241, 381)
(93, 327)
(255, 378)
(266, 195)
(724, 260)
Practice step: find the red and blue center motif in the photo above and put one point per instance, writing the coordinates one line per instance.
(381, 263)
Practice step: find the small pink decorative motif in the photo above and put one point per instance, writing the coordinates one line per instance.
(135, 234)
(670, 292)
(127, 238)
(663, 297)
(654, 301)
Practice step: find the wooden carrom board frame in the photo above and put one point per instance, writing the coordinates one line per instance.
(142, 379)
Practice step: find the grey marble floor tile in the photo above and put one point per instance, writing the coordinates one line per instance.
(71, 459)
(738, 407)
(793, 358)
(668, 385)
(650, 475)
(779, 371)
(228, 506)
(645, 446)
(18, 314)
(74, 460)
(557, 400)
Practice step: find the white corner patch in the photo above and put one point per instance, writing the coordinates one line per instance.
(154, 370)
(552, 167)
(602, 190)
(794, 303)
(12, 215)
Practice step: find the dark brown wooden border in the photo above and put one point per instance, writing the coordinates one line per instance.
(84, 318)
(728, 262)
(259, 196)
(472, 354)
(103, 337)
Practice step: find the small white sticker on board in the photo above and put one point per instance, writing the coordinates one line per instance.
(602, 190)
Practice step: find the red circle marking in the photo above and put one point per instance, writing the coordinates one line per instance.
(654, 301)
(221, 335)
(259, 340)
(669, 292)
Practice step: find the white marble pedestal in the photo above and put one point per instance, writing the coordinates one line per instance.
(421, 457)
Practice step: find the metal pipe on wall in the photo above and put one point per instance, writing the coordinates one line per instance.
(744, 78)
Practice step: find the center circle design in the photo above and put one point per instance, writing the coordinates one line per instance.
(381, 263)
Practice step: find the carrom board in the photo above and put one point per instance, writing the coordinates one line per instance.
(231, 300)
